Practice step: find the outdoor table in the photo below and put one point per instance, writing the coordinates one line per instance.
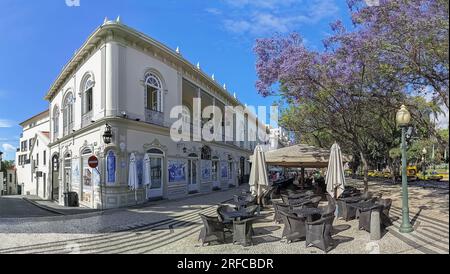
(236, 215)
(308, 213)
(364, 205)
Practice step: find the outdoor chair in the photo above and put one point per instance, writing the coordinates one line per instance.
(278, 207)
(345, 211)
(221, 212)
(294, 227)
(243, 231)
(365, 217)
(212, 231)
(384, 214)
(318, 233)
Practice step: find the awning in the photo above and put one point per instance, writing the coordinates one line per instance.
(300, 155)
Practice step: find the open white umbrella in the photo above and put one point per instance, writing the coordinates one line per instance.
(132, 175)
(259, 181)
(335, 178)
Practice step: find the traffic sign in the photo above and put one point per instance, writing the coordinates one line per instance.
(93, 161)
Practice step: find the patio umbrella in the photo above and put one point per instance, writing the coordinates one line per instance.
(259, 181)
(335, 178)
(132, 175)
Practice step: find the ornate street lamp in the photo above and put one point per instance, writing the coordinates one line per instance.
(424, 155)
(403, 118)
(107, 135)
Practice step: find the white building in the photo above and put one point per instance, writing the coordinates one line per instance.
(26, 176)
(130, 82)
(278, 138)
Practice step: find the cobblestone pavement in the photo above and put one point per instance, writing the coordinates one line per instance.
(173, 227)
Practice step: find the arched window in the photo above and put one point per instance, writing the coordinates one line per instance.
(153, 93)
(87, 92)
(68, 113)
(206, 153)
(55, 122)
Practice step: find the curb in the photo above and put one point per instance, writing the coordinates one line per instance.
(43, 207)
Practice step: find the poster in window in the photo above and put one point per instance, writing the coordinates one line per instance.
(177, 171)
(206, 167)
(224, 170)
(111, 167)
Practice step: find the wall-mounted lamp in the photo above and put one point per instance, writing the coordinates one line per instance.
(107, 135)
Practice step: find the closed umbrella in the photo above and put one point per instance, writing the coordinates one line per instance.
(335, 178)
(132, 175)
(259, 181)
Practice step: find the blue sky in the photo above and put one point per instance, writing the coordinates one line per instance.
(38, 37)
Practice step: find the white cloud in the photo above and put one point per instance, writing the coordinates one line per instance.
(213, 11)
(8, 148)
(271, 16)
(6, 123)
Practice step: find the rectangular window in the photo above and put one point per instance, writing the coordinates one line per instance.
(37, 159)
(10, 178)
(45, 158)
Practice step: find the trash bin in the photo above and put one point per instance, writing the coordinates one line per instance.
(71, 199)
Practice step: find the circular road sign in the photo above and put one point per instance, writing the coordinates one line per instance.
(93, 162)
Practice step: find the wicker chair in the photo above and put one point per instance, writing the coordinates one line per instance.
(212, 231)
(243, 231)
(366, 215)
(294, 227)
(384, 214)
(345, 211)
(318, 233)
(278, 207)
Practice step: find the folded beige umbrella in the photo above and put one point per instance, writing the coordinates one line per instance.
(335, 178)
(258, 181)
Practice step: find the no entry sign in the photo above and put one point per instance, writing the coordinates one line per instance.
(93, 162)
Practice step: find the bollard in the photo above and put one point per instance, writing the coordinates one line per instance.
(375, 225)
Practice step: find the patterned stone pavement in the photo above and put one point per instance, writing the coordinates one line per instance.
(164, 228)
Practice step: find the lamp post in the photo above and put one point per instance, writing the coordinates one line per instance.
(403, 118)
(424, 155)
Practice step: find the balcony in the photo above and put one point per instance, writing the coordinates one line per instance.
(154, 117)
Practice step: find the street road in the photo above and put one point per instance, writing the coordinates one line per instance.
(17, 207)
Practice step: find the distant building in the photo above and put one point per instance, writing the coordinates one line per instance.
(279, 138)
(32, 128)
(11, 187)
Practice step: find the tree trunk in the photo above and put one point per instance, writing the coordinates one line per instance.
(392, 169)
(366, 172)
